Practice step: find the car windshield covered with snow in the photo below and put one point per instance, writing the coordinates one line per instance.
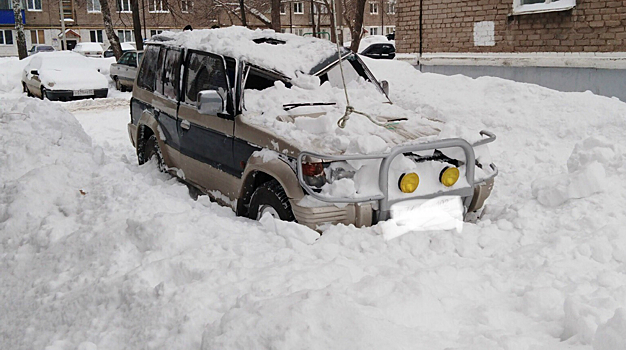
(275, 123)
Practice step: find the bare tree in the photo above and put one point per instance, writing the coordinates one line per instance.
(19, 28)
(134, 4)
(357, 29)
(276, 15)
(108, 27)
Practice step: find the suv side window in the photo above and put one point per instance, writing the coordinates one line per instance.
(205, 72)
(148, 71)
(171, 74)
(159, 73)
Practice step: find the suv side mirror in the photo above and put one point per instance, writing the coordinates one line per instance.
(210, 102)
(385, 85)
(34, 72)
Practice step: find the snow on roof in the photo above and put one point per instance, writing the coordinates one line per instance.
(287, 54)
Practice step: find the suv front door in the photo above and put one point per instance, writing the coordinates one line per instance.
(207, 140)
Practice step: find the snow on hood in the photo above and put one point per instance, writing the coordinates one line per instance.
(315, 128)
(297, 54)
(77, 78)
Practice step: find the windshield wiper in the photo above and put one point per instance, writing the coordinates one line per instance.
(290, 106)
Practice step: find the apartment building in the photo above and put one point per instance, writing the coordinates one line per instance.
(570, 45)
(83, 19)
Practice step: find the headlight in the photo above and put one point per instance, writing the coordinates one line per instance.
(50, 83)
(408, 182)
(449, 176)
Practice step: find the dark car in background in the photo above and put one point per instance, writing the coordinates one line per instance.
(37, 48)
(380, 51)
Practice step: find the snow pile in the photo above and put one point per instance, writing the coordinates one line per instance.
(100, 253)
(296, 54)
(586, 174)
(11, 75)
(612, 334)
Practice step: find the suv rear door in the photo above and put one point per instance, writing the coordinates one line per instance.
(207, 140)
(158, 86)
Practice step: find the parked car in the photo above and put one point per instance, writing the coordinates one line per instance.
(380, 51)
(124, 71)
(261, 125)
(37, 48)
(63, 76)
(89, 49)
(126, 47)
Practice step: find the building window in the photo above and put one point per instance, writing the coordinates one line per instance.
(156, 6)
(37, 37)
(96, 36)
(390, 30)
(391, 8)
(373, 8)
(373, 30)
(282, 9)
(538, 6)
(186, 6)
(93, 6)
(33, 5)
(154, 32)
(126, 36)
(6, 37)
(123, 5)
(298, 31)
(298, 8)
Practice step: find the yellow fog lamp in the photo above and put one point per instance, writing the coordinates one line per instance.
(408, 182)
(449, 176)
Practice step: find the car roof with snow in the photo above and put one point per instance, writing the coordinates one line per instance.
(288, 54)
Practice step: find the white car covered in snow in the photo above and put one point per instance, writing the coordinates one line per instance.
(63, 76)
(279, 124)
(89, 49)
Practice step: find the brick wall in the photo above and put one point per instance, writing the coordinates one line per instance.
(449, 26)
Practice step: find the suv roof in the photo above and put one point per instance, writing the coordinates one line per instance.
(285, 53)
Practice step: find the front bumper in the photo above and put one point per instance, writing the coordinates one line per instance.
(53, 95)
(473, 196)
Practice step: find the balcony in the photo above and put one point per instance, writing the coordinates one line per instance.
(7, 17)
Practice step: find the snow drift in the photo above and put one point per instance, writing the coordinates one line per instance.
(99, 253)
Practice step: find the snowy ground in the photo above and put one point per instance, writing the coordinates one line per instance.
(97, 252)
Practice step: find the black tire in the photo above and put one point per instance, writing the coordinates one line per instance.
(26, 90)
(151, 150)
(270, 195)
(118, 85)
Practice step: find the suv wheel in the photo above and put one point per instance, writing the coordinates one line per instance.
(270, 198)
(151, 150)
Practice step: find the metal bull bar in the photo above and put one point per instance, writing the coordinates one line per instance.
(384, 203)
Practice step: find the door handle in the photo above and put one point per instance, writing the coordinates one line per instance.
(185, 124)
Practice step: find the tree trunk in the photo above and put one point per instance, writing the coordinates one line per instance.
(357, 31)
(313, 18)
(276, 25)
(137, 24)
(108, 27)
(243, 13)
(19, 28)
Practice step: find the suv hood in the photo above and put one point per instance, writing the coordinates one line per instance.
(315, 128)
